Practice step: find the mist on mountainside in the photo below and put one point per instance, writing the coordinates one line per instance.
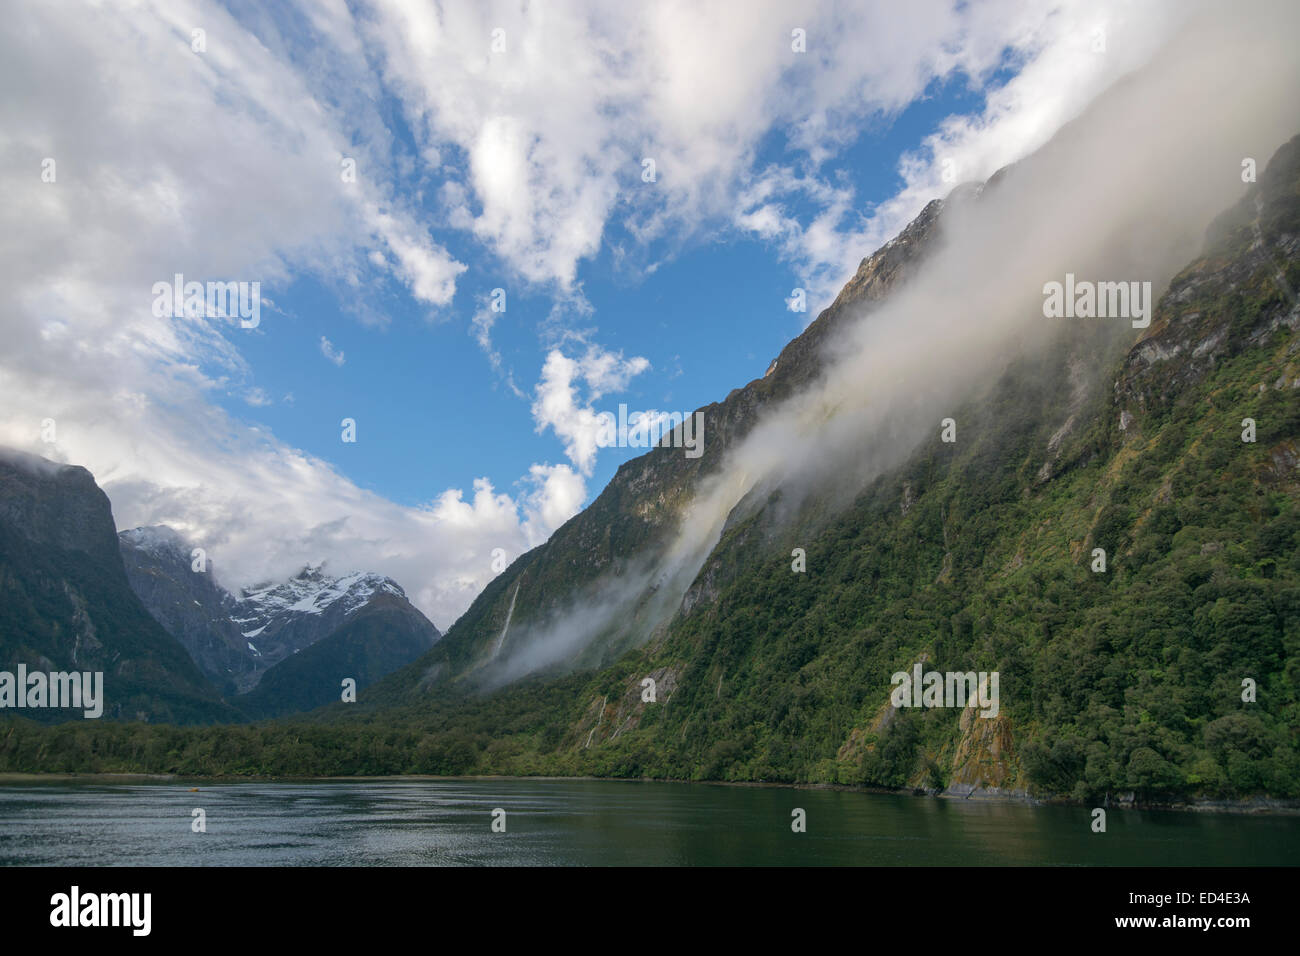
(1124, 193)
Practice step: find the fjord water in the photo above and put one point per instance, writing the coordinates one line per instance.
(584, 822)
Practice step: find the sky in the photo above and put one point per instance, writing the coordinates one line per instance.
(639, 189)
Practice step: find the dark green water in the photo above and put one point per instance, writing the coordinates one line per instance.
(561, 822)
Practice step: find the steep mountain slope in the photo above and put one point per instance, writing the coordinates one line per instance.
(309, 633)
(979, 556)
(620, 543)
(66, 604)
(189, 604)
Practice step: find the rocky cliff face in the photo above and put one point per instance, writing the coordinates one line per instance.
(56, 506)
(66, 603)
(1236, 297)
(189, 604)
(74, 595)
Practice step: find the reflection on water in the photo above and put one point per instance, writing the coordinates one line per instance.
(562, 822)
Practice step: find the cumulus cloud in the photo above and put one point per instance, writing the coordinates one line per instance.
(555, 494)
(558, 404)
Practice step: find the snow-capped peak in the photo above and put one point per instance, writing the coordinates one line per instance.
(310, 592)
(156, 539)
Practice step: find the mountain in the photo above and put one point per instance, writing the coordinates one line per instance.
(189, 604)
(280, 646)
(975, 556)
(628, 533)
(375, 638)
(277, 620)
(626, 543)
(66, 603)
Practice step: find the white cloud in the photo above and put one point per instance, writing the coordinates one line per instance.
(1058, 75)
(425, 267)
(557, 494)
(481, 325)
(328, 350)
(555, 127)
(575, 420)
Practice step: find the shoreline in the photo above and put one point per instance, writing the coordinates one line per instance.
(1253, 806)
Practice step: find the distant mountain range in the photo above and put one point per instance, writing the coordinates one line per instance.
(239, 641)
(174, 645)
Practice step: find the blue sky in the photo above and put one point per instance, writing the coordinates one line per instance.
(431, 413)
